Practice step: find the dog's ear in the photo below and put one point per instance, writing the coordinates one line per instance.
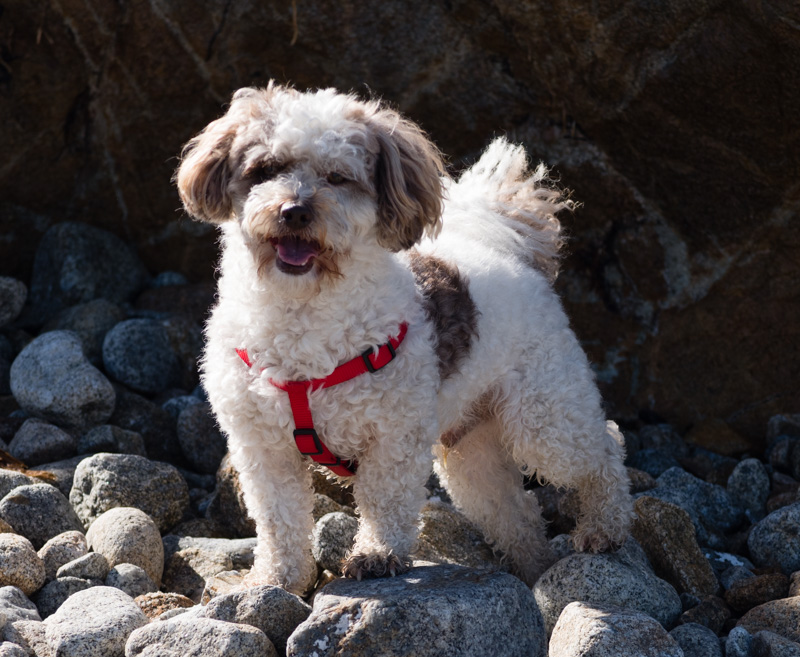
(408, 180)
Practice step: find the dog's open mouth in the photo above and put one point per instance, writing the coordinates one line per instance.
(295, 256)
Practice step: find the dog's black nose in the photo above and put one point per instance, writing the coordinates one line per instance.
(296, 216)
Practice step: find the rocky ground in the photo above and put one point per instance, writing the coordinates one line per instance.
(122, 530)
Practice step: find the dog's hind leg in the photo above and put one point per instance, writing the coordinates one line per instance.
(486, 485)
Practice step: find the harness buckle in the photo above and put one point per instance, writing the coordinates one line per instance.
(303, 446)
(368, 362)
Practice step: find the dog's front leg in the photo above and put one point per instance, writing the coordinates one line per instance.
(389, 490)
(278, 492)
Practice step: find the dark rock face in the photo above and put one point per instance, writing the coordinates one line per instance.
(672, 122)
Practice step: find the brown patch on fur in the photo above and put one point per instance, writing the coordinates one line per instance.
(479, 411)
(449, 306)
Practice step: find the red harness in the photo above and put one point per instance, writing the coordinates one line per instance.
(305, 436)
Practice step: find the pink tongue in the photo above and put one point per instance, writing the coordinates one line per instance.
(295, 252)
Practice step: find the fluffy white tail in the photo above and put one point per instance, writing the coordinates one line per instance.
(511, 206)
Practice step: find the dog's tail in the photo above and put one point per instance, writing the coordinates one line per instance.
(510, 207)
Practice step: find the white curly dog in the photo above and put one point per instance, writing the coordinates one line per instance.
(342, 233)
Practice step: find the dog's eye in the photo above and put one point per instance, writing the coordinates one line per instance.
(264, 172)
(335, 178)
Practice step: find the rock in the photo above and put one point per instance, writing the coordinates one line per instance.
(55, 593)
(15, 605)
(430, 610)
(734, 574)
(640, 480)
(135, 413)
(76, 263)
(29, 635)
(738, 643)
(201, 441)
(62, 549)
(324, 505)
(666, 534)
(198, 636)
(622, 579)
(779, 616)
(664, 438)
(111, 439)
(125, 535)
(39, 442)
(156, 603)
(238, 550)
(585, 630)
(138, 353)
(63, 473)
(186, 338)
(717, 436)
(94, 623)
(53, 513)
(186, 570)
(107, 481)
(749, 488)
(227, 508)
(52, 379)
(175, 405)
(168, 278)
(11, 479)
(696, 641)
(709, 506)
(20, 566)
(794, 584)
(653, 461)
(8, 649)
(774, 645)
(780, 450)
(786, 424)
(12, 298)
(446, 536)
(90, 566)
(224, 583)
(711, 612)
(721, 561)
(332, 540)
(750, 592)
(90, 321)
(775, 541)
(269, 608)
(131, 579)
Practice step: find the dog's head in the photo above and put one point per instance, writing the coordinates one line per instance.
(311, 176)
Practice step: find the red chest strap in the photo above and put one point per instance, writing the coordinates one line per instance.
(305, 436)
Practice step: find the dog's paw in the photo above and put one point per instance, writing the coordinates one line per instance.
(359, 566)
(596, 541)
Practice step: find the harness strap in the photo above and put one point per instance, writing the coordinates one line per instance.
(305, 436)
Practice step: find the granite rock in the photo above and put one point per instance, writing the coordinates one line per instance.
(696, 640)
(20, 566)
(111, 439)
(53, 515)
(39, 442)
(775, 541)
(62, 549)
(131, 579)
(55, 593)
(332, 540)
(201, 440)
(90, 566)
(138, 353)
(90, 321)
(13, 293)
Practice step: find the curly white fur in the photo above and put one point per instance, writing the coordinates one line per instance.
(319, 197)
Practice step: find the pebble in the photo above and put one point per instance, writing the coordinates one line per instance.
(107, 481)
(126, 535)
(90, 321)
(332, 540)
(13, 293)
(696, 640)
(52, 379)
(749, 487)
(622, 579)
(61, 549)
(39, 442)
(201, 441)
(131, 579)
(90, 566)
(53, 515)
(55, 593)
(180, 636)
(272, 610)
(111, 439)
(666, 534)
(20, 566)
(429, 610)
(775, 540)
(779, 616)
(606, 631)
(156, 603)
(15, 605)
(94, 623)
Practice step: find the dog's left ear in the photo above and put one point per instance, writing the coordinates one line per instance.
(408, 179)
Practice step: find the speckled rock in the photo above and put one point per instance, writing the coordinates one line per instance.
(779, 616)
(224, 583)
(711, 612)
(738, 643)
(332, 539)
(269, 608)
(180, 636)
(138, 353)
(750, 592)
(227, 508)
(107, 481)
(12, 298)
(8, 649)
(775, 540)
(324, 505)
(63, 473)
(696, 641)
(53, 516)
(15, 605)
(61, 549)
(592, 630)
(111, 439)
(53, 594)
(774, 645)
(94, 623)
(666, 534)
(622, 579)
(90, 566)
(128, 535)
(10, 479)
(202, 442)
(39, 442)
(749, 488)
(175, 405)
(430, 610)
(90, 321)
(188, 564)
(136, 413)
(29, 635)
(20, 566)
(131, 579)
(156, 603)
(52, 379)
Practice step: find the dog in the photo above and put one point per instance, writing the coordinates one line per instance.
(346, 246)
